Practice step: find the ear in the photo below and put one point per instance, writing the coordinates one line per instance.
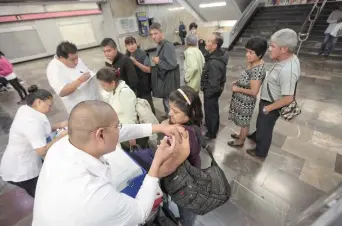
(99, 134)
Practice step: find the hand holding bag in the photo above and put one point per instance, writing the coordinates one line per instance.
(290, 111)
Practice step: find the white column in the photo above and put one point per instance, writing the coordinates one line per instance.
(109, 23)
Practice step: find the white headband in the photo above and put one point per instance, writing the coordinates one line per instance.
(185, 96)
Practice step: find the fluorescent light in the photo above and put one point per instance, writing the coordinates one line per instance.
(214, 4)
(176, 9)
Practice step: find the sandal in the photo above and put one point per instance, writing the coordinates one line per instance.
(234, 143)
(235, 136)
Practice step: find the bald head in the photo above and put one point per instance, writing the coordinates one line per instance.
(87, 117)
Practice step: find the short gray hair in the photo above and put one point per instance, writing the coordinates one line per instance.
(286, 38)
(191, 40)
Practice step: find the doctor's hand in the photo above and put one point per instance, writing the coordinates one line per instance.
(177, 131)
(165, 149)
(84, 77)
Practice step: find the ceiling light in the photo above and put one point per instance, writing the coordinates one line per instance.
(176, 9)
(214, 4)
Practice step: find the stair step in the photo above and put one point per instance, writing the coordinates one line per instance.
(268, 20)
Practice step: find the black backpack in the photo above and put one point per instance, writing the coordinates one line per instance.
(199, 190)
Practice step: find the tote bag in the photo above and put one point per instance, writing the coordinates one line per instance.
(164, 81)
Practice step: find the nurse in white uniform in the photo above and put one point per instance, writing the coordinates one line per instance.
(28, 143)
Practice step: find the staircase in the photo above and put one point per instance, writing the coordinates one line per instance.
(268, 20)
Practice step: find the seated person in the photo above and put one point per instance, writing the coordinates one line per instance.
(120, 96)
(186, 110)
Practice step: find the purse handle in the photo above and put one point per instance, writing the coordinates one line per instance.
(208, 149)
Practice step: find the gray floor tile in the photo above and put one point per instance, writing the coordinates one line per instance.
(227, 215)
(299, 194)
(256, 207)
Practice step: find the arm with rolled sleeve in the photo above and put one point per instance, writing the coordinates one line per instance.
(114, 208)
(169, 59)
(134, 131)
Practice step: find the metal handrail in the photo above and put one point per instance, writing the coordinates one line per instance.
(302, 37)
(247, 13)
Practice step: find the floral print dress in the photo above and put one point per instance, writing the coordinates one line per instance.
(242, 105)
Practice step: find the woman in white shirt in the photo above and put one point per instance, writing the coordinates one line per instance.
(123, 100)
(28, 141)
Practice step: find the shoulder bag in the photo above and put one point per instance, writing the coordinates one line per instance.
(199, 190)
(290, 111)
(164, 81)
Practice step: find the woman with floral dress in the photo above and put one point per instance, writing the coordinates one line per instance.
(246, 89)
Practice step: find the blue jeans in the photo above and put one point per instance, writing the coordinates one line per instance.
(187, 217)
(166, 105)
(328, 44)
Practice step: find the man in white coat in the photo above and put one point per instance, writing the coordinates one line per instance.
(75, 186)
(70, 78)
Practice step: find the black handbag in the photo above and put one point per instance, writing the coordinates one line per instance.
(164, 81)
(199, 190)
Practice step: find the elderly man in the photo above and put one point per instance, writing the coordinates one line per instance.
(75, 186)
(70, 78)
(193, 63)
(281, 83)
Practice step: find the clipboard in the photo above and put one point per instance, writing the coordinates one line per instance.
(92, 75)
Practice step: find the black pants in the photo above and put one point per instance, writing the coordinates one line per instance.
(148, 97)
(28, 185)
(19, 88)
(212, 113)
(264, 129)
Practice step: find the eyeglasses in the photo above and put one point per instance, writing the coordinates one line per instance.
(118, 126)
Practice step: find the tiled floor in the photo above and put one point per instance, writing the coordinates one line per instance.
(305, 160)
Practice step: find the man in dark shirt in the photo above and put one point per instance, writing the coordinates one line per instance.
(117, 60)
(213, 81)
(167, 59)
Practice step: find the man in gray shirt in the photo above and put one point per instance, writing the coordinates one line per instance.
(166, 59)
(281, 82)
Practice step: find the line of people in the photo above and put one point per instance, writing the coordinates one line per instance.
(75, 176)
